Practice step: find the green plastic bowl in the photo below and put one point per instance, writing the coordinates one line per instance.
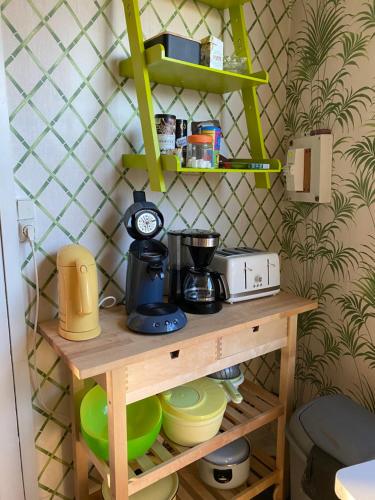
(143, 423)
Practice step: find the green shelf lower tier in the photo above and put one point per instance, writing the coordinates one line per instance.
(223, 4)
(171, 163)
(176, 73)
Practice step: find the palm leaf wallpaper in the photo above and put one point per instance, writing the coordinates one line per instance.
(329, 250)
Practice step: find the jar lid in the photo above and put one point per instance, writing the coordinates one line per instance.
(201, 399)
(165, 116)
(200, 139)
(231, 454)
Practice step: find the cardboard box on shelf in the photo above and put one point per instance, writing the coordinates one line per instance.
(212, 52)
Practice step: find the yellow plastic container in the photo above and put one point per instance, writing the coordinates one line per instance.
(193, 412)
(165, 489)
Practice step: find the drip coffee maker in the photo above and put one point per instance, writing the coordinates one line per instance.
(197, 289)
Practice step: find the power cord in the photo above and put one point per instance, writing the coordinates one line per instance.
(106, 299)
(29, 233)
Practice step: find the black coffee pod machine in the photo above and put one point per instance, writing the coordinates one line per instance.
(147, 263)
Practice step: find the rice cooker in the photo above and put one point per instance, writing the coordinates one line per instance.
(227, 467)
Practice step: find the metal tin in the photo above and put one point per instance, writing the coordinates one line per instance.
(181, 133)
(166, 131)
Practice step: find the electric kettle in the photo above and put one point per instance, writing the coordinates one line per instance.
(78, 293)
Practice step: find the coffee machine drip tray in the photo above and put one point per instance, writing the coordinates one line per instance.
(157, 318)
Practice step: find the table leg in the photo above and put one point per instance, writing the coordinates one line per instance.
(118, 459)
(286, 392)
(81, 481)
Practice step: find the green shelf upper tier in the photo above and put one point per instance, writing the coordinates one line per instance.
(171, 163)
(186, 75)
(223, 4)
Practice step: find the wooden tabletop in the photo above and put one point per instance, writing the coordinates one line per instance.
(118, 346)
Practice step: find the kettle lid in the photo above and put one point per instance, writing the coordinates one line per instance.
(68, 255)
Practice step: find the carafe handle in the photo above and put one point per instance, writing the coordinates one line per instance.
(224, 288)
(84, 288)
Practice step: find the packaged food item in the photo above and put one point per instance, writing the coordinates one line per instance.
(181, 139)
(166, 131)
(177, 47)
(212, 52)
(215, 133)
(199, 151)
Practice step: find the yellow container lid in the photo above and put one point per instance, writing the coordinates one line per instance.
(165, 489)
(201, 399)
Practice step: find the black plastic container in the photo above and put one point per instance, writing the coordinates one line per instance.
(177, 47)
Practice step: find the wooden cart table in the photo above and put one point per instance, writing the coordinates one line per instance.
(131, 367)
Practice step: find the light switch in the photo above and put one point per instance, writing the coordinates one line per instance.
(25, 209)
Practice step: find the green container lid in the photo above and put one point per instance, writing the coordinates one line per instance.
(201, 399)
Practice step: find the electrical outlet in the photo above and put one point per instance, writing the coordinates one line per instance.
(26, 219)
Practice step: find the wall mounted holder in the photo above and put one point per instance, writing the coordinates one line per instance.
(308, 170)
(146, 65)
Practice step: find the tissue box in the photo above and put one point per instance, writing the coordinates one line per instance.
(212, 52)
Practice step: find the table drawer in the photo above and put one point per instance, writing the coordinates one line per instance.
(170, 368)
(252, 337)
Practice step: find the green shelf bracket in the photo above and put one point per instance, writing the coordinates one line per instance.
(152, 65)
(250, 99)
(144, 96)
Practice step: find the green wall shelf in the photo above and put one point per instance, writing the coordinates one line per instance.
(171, 163)
(183, 74)
(151, 65)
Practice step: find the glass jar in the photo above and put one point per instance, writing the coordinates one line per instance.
(199, 151)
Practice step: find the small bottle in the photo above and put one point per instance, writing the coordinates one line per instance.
(199, 151)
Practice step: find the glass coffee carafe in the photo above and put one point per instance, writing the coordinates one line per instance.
(202, 290)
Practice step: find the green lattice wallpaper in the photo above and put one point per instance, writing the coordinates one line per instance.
(72, 117)
(330, 248)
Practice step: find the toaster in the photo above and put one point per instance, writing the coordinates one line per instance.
(250, 273)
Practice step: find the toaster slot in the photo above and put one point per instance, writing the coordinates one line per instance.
(245, 275)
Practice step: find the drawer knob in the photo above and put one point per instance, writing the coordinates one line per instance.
(255, 329)
(174, 354)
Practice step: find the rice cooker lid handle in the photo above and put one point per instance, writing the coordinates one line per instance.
(231, 454)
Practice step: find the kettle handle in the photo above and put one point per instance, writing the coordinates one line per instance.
(223, 285)
(84, 289)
